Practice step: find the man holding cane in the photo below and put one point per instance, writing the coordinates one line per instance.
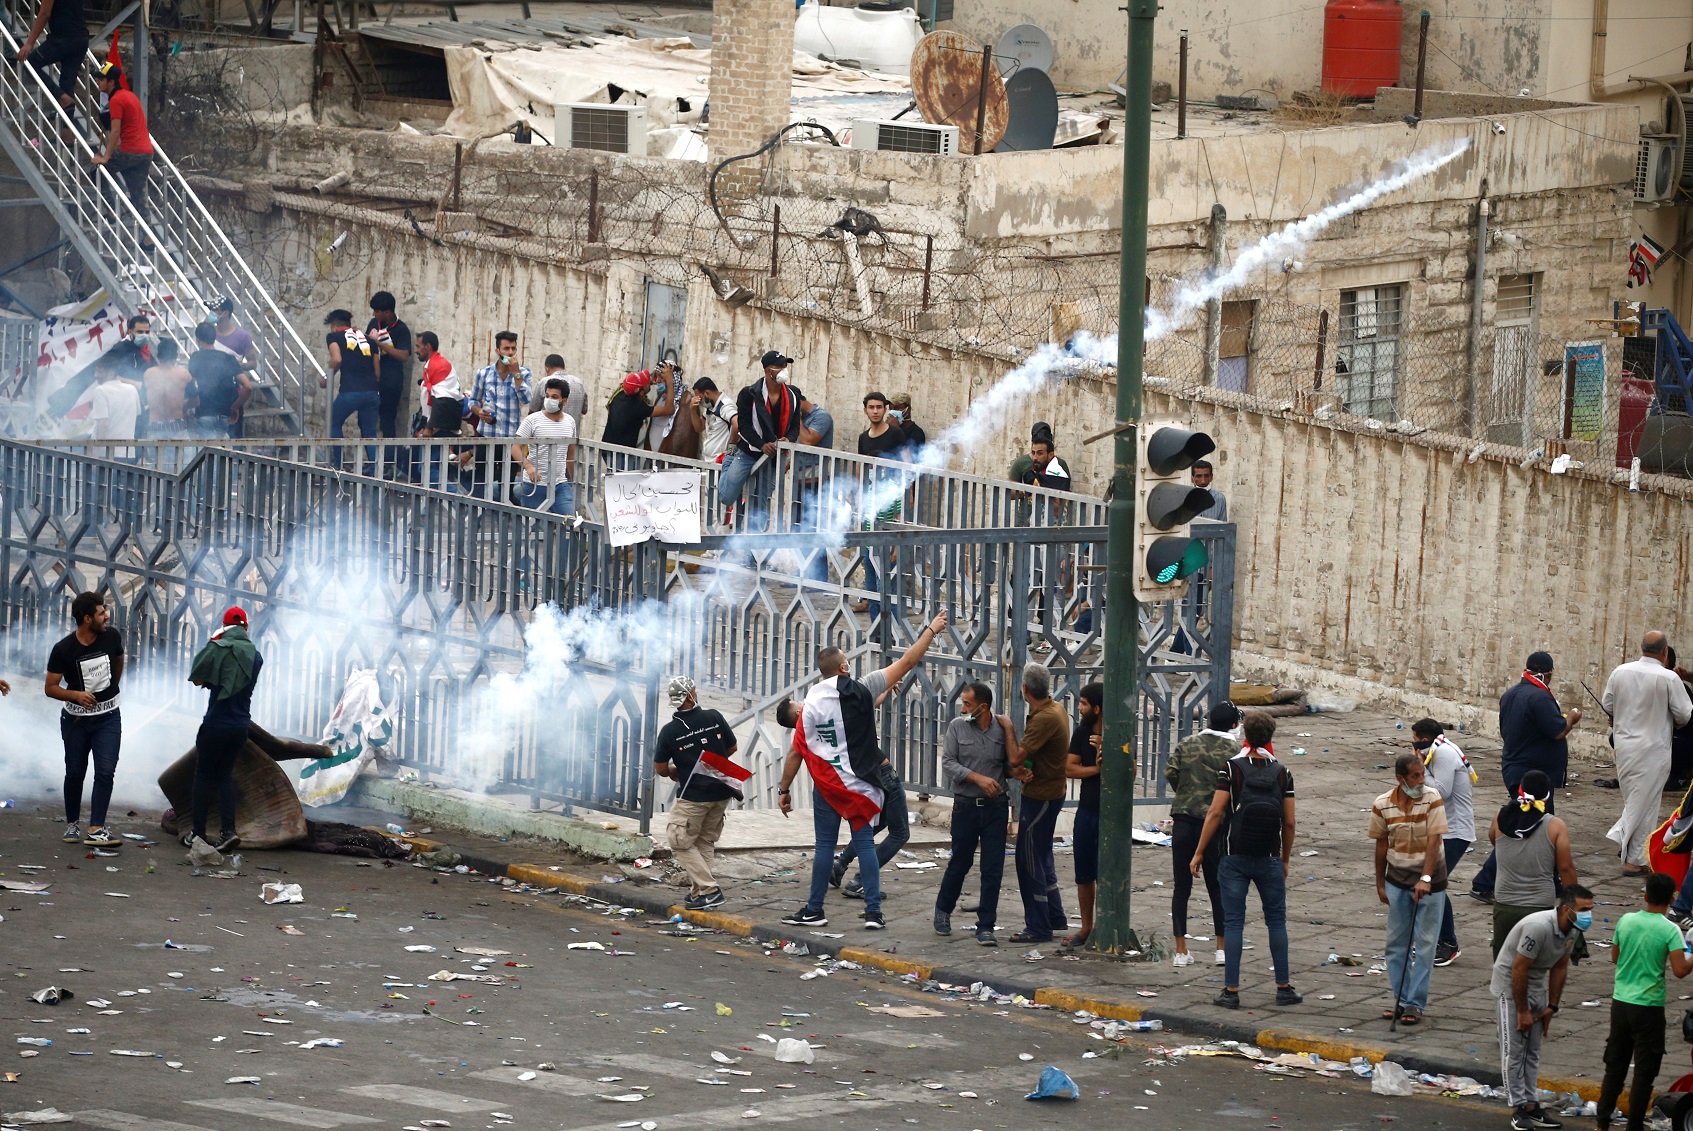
(1408, 824)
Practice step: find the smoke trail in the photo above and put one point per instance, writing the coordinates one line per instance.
(1293, 238)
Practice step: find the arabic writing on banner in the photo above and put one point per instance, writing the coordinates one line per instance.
(652, 504)
(1584, 396)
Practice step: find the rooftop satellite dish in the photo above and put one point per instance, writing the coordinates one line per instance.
(946, 81)
(1025, 47)
(1033, 105)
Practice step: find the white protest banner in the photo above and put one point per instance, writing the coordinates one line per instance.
(652, 504)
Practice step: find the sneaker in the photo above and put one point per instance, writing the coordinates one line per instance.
(715, 898)
(98, 837)
(943, 922)
(873, 921)
(1222, 959)
(705, 900)
(1483, 896)
(806, 917)
(1445, 954)
(1680, 918)
(1539, 1118)
(1182, 959)
(854, 890)
(73, 833)
(1228, 999)
(1287, 995)
(984, 936)
(228, 843)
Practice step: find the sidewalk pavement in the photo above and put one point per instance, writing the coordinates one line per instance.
(1340, 763)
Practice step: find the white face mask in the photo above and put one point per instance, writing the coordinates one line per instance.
(1413, 791)
(782, 377)
(552, 404)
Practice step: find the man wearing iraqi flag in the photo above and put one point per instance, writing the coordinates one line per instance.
(835, 736)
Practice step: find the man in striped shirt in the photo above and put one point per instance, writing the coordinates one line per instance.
(1408, 824)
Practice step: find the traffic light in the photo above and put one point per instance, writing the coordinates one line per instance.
(1166, 553)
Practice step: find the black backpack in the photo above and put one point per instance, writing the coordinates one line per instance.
(1255, 829)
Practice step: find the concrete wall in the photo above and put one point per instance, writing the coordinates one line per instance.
(1494, 46)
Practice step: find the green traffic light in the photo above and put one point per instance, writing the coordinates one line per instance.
(1174, 558)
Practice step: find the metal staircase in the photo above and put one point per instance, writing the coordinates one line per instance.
(191, 262)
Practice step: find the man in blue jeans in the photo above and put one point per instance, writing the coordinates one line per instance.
(835, 736)
(547, 454)
(766, 412)
(979, 755)
(83, 672)
(353, 357)
(1255, 797)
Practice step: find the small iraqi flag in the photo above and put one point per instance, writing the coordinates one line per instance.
(719, 768)
(1643, 256)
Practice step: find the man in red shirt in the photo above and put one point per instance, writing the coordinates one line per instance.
(128, 152)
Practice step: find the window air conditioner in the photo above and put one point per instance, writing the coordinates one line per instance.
(905, 137)
(595, 125)
(1656, 168)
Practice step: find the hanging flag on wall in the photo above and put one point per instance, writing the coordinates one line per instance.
(1643, 256)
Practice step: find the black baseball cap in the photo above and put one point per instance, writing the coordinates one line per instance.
(1539, 662)
(775, 358)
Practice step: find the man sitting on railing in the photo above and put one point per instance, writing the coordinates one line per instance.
(766, 411)
(549, 459)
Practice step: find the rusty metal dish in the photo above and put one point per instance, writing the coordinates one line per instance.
(946, 81)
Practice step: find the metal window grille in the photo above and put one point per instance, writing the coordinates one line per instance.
(1368, 355)
(1510, 401)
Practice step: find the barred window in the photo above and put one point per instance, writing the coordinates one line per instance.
(1367, 358)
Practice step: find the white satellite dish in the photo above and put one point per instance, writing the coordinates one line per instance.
(1024, 47)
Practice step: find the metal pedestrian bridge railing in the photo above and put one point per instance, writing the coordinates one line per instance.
(523, 654)
(171, 264)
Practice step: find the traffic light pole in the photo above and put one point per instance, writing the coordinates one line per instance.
(1112, 932)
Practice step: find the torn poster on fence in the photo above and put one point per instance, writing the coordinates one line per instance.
(652, 504)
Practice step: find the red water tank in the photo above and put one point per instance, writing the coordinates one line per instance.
(1633, 403)
(1361, 46)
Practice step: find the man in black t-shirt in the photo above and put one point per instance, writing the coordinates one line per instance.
(83, 671)
(353, 357)
(1082, 763)
(696, 815)
(66, 46)
(391, 339)
(218, 386)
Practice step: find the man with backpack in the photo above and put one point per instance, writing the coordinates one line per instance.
(1255, 797)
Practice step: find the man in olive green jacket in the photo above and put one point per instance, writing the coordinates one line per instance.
(1192, 775)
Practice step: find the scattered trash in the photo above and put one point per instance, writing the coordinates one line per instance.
(724, 1058)
(919, 866)
(421, 948)
(791, 1051)
(1391, 1079)
(482, 950)
(45, 1115)
(117, 895)
(26, 887)
(322, 1043)
(132, 1052)
(38, 1042)
(244, 1080)
(906, 1010)
(625, 1098)
(584, 946)
(52, 995)
(290, 929)
(723, 1010)
(1054, 1085)
(282, 893)
(439, 858)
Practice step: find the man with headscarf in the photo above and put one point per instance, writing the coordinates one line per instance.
(1531, 850)
(1535, 734)
(228, 667)
(1646, 701)
(693, 750)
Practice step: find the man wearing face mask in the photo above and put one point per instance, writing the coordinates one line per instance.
(1449, 772)
(1528, 987)
(1408, 824)
(548, 459)
(766, 412)
(1535, 733)
(142, 337)
(980, 751)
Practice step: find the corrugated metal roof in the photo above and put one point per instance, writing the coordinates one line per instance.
(438, 34)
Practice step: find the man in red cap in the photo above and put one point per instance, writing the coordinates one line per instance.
(628, 409)
(228, 666)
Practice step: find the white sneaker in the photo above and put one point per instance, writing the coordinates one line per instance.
(1182, 959)
(1222, 958)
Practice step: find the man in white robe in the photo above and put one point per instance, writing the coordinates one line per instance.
(1646, 701)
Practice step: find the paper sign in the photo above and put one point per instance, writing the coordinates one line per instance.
(652, 504)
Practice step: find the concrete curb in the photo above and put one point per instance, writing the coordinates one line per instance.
(1175, 1021)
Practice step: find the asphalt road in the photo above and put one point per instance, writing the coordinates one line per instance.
(238, 996)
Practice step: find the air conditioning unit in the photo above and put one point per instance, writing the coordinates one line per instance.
(1656, 168)
(595, 125)
(905, 137)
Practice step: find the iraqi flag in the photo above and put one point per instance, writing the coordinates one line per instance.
(720, 769)
(831, 726)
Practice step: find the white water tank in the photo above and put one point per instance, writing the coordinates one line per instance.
(874, 38)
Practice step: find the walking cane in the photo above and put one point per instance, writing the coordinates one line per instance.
(1405, 969)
